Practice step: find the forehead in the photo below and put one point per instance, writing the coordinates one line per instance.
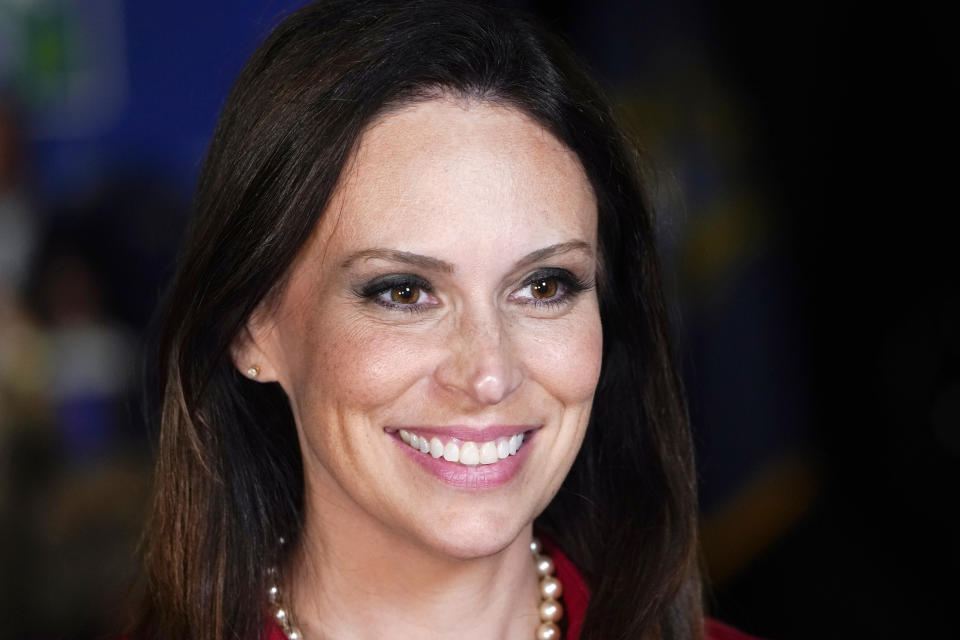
(435, 175)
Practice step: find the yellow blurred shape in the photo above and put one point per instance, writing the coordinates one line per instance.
(760, 513)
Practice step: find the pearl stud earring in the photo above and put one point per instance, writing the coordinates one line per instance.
(253, 371)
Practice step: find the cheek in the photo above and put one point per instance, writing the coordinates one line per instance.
(566, 360)
(346, 365)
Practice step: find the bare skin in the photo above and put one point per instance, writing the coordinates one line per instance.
(492, 222)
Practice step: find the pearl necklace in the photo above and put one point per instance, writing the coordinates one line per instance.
(550, 609)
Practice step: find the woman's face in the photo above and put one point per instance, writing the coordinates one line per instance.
(448, 294)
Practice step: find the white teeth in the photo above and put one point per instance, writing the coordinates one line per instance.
(466, 453)
(451, 452)
(488, 453)
(469, 454)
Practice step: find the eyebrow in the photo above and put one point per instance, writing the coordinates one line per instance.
(435, 264)
(553, 250)
(413, 259)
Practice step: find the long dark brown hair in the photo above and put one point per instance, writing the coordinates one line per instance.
(229, 477)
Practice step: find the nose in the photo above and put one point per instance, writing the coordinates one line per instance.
(481, 365)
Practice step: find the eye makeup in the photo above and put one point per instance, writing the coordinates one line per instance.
(546, 288)
(550, 287)
(401, 291)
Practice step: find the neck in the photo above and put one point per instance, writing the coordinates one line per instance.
(352, 579)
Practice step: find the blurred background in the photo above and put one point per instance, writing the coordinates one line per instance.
(802, 163)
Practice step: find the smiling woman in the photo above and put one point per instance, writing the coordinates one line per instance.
(450, 296)
(418, 317)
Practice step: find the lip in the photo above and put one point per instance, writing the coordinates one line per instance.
(473, 478)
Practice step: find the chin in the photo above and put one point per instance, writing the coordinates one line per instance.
(479, 536)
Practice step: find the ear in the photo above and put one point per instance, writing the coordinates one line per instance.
(251, 352)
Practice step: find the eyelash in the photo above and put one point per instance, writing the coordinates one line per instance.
(569, 288)
(376, 288)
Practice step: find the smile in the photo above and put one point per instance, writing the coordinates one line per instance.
(467, 453)
(468, 458)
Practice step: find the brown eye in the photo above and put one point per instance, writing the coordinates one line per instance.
(544, 288)
(405, 294)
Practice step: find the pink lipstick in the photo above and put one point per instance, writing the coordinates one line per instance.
(464, 457)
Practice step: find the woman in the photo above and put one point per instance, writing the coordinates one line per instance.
(417, 318)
